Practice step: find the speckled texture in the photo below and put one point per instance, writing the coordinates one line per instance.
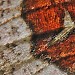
(15, 57)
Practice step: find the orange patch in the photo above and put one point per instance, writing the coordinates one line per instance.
(44, 18)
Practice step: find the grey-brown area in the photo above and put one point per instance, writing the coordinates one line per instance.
(15, 57)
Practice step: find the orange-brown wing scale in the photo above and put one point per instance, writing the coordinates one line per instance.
(45, 19)
(48, 16)
(43, 16)
(67, 63)
(30, 5)
(71, 9)
(64, 52)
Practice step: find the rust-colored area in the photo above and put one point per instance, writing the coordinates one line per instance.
(47, 15)
(46, 19)
(35, 4)
(71, 9)
(44, 16)
(67, 63)
(63, 51)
